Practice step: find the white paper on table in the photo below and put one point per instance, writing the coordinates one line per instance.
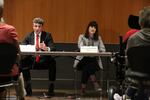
(27, 48)
(89, 49)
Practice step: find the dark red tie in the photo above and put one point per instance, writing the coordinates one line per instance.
(37, 48)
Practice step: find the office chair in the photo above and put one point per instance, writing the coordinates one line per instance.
(8, 56)
(139, 69)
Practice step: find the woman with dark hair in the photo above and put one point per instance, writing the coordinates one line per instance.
(89, 65)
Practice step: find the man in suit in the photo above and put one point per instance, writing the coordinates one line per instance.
(43, 41)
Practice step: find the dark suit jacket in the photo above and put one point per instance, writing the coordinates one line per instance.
(45, 36)
(29, 39)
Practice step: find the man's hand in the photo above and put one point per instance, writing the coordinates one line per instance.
(42, 46)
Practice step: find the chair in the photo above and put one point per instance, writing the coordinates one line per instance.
(139, 62)
(139, 66)
(8, 56)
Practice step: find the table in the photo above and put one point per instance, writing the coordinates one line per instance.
(67, 53)
(70, 53)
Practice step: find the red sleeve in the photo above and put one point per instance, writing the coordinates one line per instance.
(128, 34)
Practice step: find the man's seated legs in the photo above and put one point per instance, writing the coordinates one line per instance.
(52, 77)
(27, 81)
(50, 64)
(19, 87)
(26, 64)
(3, 91)
(46, 62)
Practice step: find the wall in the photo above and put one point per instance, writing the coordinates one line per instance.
(66, 19)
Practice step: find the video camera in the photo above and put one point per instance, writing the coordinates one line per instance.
(118, 59)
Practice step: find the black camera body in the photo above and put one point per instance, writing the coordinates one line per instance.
(118, 59)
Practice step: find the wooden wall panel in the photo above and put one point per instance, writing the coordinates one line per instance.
(66, 19)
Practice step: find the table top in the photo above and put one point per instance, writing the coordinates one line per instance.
(67, 53)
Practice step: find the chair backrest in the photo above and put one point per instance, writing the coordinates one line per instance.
(139, 59)
(8, 55)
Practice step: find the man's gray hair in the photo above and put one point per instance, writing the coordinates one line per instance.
(1, 9)
(144, 17)
(1, 3)
(38, 20)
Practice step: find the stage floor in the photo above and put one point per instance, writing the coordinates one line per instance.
(38, 94)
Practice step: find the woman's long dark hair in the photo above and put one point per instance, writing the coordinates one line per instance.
(93, 24)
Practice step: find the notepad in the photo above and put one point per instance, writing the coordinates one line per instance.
(27, 48)
(89, 49)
